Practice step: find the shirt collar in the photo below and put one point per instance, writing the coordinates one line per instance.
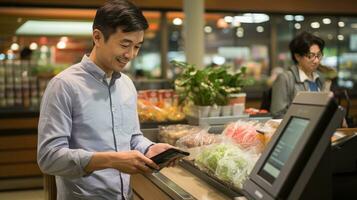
(90, 67)
(303, 77)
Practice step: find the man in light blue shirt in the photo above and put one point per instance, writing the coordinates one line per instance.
(88, 134)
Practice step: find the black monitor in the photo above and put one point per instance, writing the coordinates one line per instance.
(296, 151)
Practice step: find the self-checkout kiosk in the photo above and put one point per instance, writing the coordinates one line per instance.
(297, 163)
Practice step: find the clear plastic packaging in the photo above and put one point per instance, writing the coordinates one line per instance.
(170, 134)
(194, 142)
(227, 162)
(245, 134)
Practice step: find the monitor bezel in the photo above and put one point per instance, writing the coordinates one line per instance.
(299, 156)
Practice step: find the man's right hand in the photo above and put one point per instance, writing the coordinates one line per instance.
(130, 162)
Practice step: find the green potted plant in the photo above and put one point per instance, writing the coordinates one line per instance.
(208, 87)
(192, 85)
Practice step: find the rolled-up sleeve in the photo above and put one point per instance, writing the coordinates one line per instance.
(54, 132)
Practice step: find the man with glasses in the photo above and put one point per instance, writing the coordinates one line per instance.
(306, 51)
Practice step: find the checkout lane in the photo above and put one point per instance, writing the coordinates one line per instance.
(200, 189)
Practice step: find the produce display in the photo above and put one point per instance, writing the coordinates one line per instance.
(158, 106)
(254, 111)
(170, 134)
(193, 143)
(229, 156)
(244, 133)
(227, 162)
(201, 138)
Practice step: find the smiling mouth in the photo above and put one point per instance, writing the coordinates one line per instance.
(122, 61)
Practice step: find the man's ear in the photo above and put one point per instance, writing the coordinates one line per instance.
(97, 37)
(297, 57)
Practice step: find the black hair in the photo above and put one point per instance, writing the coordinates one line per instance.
(301, 44)
(119, 13)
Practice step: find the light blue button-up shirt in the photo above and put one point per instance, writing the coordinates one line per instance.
(81, 114)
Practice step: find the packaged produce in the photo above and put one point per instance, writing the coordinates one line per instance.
(201, 138)
(154, 109)
(244, 133)
(149, 112)
(227, 162)
(193, 143)
(209, 157)
(269, 128)
(170, 134)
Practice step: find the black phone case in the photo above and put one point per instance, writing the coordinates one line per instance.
(163, 158)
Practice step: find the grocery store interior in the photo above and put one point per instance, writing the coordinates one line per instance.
(41, 38)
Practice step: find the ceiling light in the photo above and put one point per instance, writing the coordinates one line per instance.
(219, 60)
(228, 19)
(35, 27)
(341, 24)
(208, 29)
(61, 45)
(340, 37)
(326, 20)
(2, 56)
(33, 46)
(289, 17)
(240, 32)
(236, 22)
(14, 46)
(315, 25)
(252, 18)
(177, 21)
(260, 29)
(297, 26)
(299, 18)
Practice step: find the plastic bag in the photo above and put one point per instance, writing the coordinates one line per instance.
(269, 128)
(198, 139)
(170, 134)
(227, 162)
(194, 142)
(244, 133)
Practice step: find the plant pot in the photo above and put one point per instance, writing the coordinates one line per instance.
(227, 110)
(238, 109)
(215, 111)
(237, 98)
(203, 111)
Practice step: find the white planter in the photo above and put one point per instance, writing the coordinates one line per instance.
(237, 98)
(215, 111)
(227, 110)
(238, 109)
(203, 111)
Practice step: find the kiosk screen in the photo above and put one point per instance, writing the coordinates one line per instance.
(281, 152)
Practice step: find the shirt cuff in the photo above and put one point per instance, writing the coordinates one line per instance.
(84, 158)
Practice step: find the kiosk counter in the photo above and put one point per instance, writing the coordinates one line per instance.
(299, 163)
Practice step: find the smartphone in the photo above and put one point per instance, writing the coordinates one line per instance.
(162, 159)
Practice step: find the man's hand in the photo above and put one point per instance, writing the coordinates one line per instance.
(158, 148)
(130, 162)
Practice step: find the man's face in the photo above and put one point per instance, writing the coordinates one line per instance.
(311, 60)
(118, 50)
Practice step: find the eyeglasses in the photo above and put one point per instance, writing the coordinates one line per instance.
(312, 56)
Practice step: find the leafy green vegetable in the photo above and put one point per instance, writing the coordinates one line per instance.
(208, 86)
(228, 162)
